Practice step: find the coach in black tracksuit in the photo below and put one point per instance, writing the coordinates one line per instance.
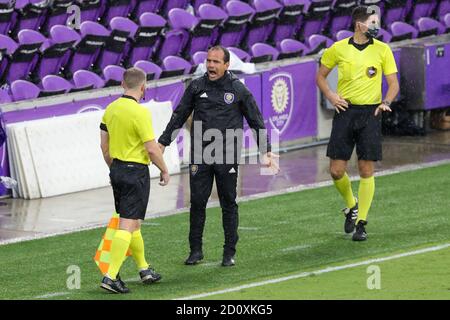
(219, 102)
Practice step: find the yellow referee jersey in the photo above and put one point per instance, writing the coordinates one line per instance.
(129, 126)
(360, 69)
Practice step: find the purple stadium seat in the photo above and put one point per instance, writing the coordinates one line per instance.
(176, 39)
(54, 85)
(171, 4)
(428, 27)
(25, 56)
(146, 38)
(5, 97)
(199, 57)
(57, 15)
(443, 9)
(175, 66)
(201, 37)
(116, 45)
(116, 8)
(86, 80)
(317, 42)
(94, 37)
(197, 3)
(113, 75)
(91, 10)
(421, 8)
(241, 54)
(290, 48)
(341, 17)
(340, 35)
(142, 6)
(55, 52)
(235, 27)
(402, 31)
(7, 16)
(262, 23)
(24, 90)
(316, 18)
(152, 70)
(446, 21)
(7, 48)
(31, 14)
(262, 52)
(384, 36)
(289, 20)
(394, 10)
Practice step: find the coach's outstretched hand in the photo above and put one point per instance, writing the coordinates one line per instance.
(270, 160)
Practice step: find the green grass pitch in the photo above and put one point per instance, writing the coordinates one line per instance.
(281, 235)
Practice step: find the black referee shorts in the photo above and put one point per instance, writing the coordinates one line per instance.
(356, 126)
(131, 187)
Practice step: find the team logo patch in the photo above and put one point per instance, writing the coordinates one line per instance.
(371, 72)
(194, 169)
(228, 98)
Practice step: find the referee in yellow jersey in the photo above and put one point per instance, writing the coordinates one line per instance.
(361, 61)
(128, 145)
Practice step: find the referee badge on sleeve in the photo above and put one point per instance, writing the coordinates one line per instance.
(371, 72)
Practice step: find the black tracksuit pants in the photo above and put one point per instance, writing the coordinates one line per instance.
(201, 183)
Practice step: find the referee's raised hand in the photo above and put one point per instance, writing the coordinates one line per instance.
(338, 102)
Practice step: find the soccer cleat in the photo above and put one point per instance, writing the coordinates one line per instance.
(149, 276)
(351, 214)
(360, 234)
(228, 261)
(114, 286)
(194, 258)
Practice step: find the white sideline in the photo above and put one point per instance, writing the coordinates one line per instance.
(318, 272)
(213, 204)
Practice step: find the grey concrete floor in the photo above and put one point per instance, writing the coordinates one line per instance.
(29, 218)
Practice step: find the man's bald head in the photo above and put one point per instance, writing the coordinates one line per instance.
(133, 79)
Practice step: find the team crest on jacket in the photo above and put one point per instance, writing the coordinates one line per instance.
(194, 169)
(228, 97)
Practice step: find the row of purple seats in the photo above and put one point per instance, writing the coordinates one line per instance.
(86, 80)
(42, 15)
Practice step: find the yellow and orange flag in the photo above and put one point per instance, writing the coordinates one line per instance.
(103, 255)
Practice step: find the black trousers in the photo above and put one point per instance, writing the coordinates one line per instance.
(201, 182)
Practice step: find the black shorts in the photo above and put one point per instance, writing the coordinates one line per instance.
(131, 187)
(356, 126)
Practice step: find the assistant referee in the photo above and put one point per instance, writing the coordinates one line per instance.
(361, 60)
(128, 144)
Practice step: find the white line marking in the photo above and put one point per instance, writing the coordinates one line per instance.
(150, 224)
(210, 264)
(248, 228)
(214, 204)
(306, 246)
(318, 272)
(53, 294)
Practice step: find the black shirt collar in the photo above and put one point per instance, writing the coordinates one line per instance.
(360, 47)
(221, 81)
(129, 97)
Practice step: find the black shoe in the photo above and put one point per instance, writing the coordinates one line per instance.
(120, 280)
(194, 258)
(228, 261)
(115, 286)
(351, 214)
(360, 234)
(149, 276)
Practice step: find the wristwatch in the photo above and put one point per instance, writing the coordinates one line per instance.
(386, 103)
